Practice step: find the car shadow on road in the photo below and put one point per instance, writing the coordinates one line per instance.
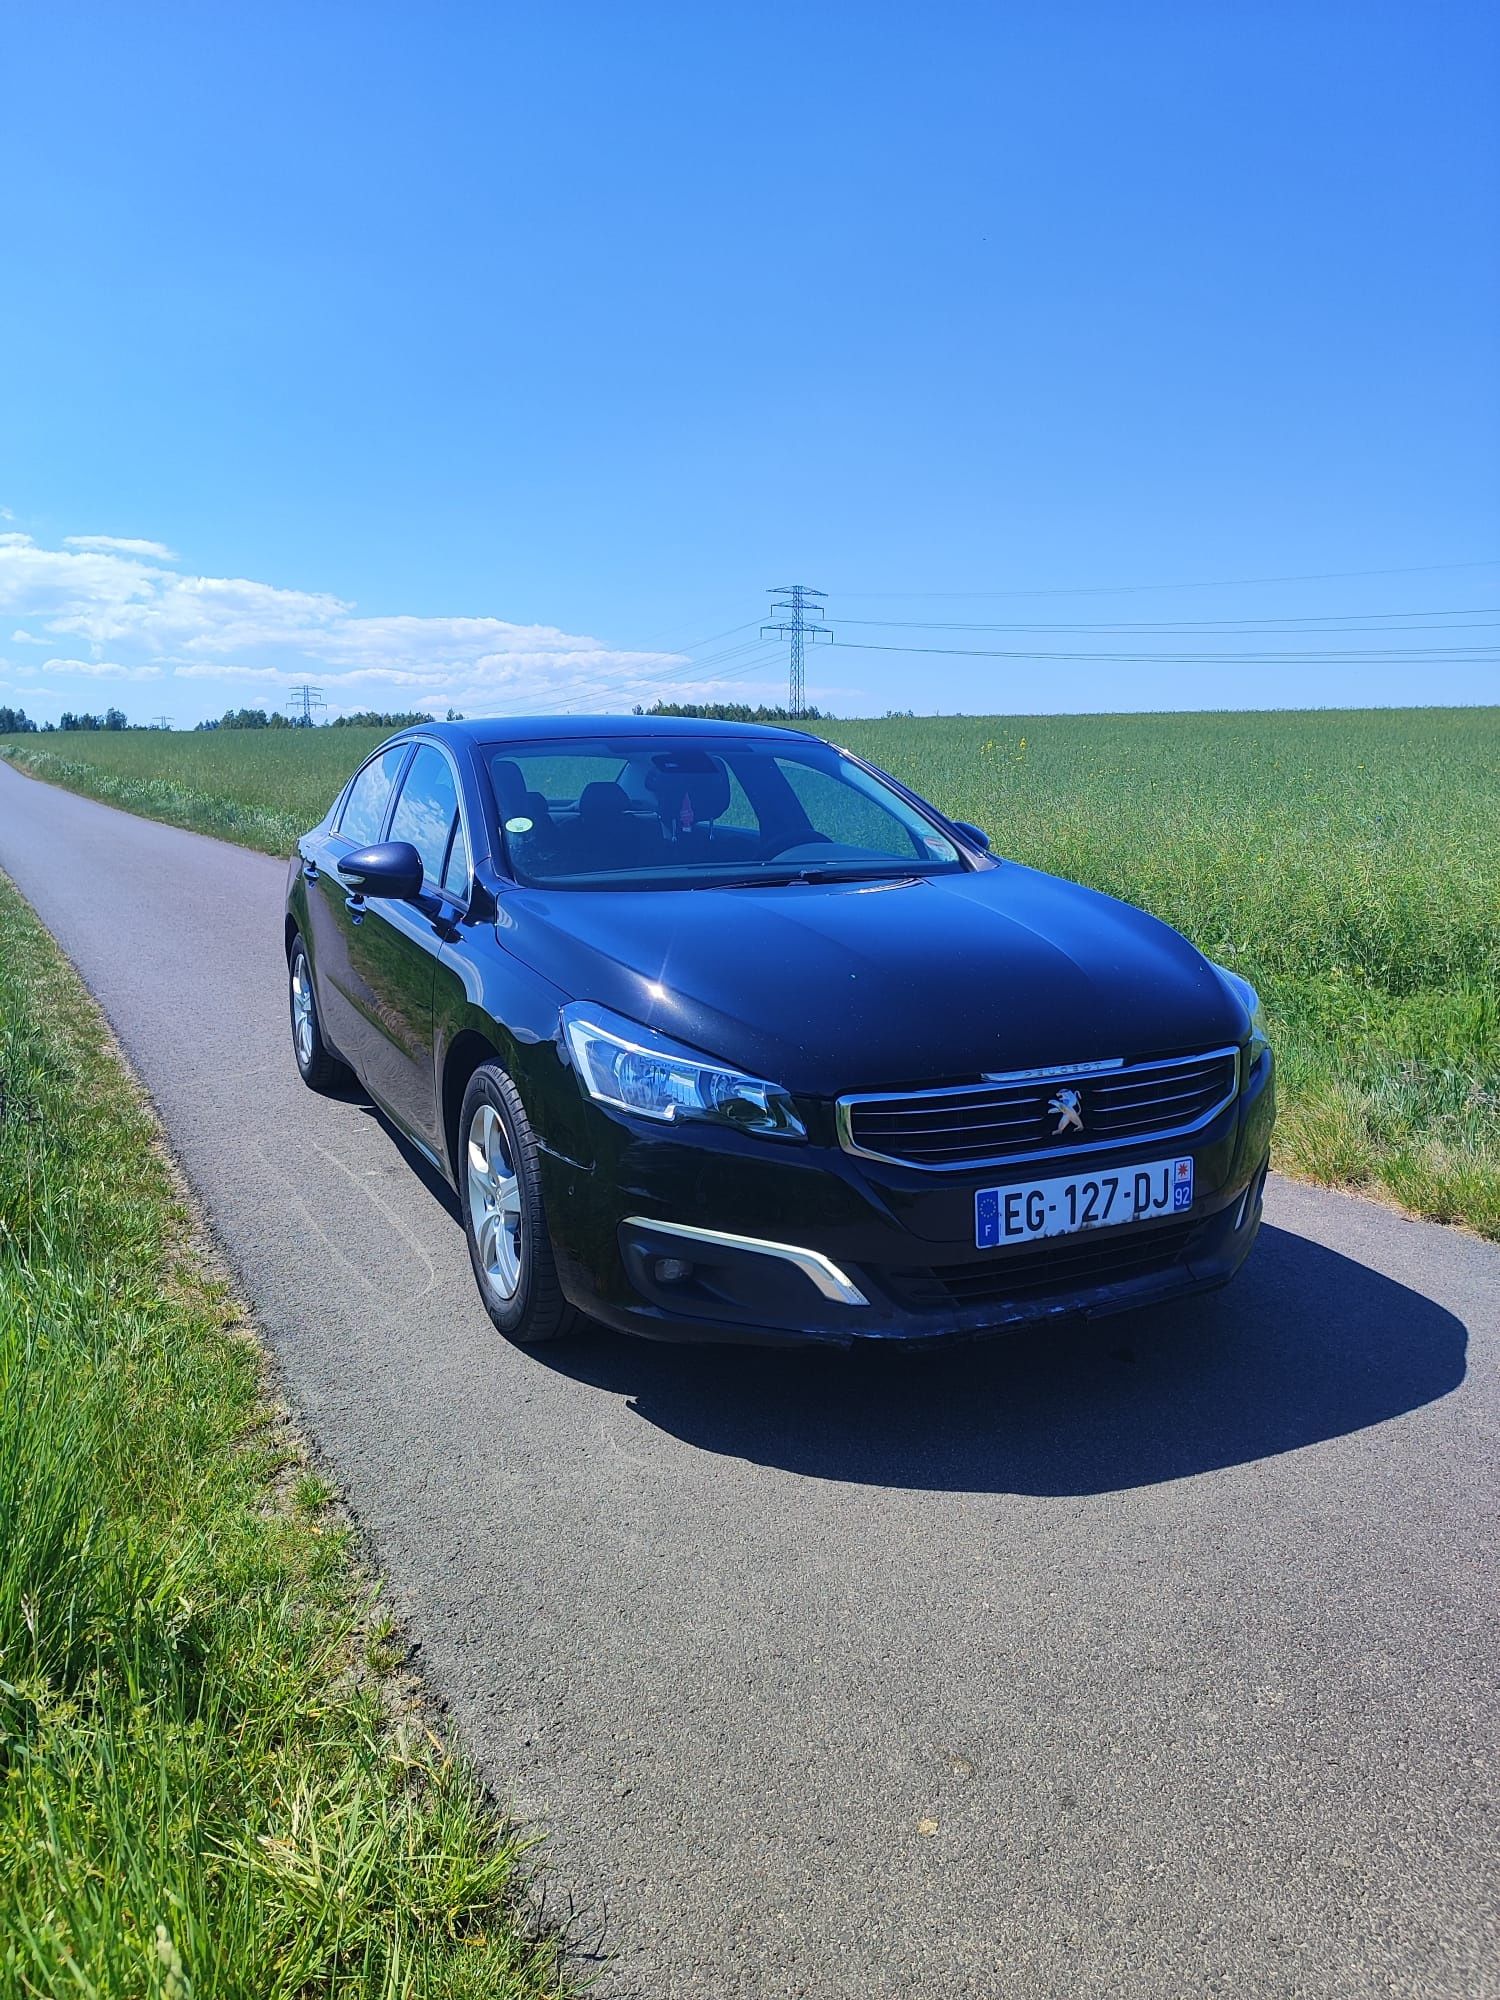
(1305, 1345)
(421, 1166)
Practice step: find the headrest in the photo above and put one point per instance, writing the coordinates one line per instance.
(689, 785)
(602, 800)
(510, 787)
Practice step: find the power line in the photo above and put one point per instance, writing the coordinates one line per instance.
(802, 607)
(653, 677)
(712, 638)
(1213, 583)
(1329, 622)
(745, 647)
(650, 677)
(649, 680)
(1369, 656)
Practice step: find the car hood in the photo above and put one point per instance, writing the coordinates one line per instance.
(874, 985)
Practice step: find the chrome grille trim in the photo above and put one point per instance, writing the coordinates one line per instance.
(1113, 1096)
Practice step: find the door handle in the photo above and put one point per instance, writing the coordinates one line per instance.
(355, 905)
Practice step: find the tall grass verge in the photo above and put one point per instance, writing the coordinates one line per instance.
(208, 1785)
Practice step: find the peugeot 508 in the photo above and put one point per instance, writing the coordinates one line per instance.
(719, 1032)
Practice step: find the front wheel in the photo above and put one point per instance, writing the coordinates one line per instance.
(500, 1191)
(318, 1069)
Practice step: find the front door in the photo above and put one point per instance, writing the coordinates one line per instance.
(345, 1000)
(393, 951)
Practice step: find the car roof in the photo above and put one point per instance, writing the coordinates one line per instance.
(573, 728)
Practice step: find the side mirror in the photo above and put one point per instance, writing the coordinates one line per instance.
(391, 868)
(974, 835)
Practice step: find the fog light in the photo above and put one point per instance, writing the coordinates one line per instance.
(671, 1270)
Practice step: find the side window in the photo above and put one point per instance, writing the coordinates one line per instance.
(369, 795)
(424, 812)
(456, 874)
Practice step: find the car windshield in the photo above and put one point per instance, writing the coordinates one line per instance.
(721, 811)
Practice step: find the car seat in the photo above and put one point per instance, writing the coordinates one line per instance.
(534, 844)
(606, 835)
(691, 790)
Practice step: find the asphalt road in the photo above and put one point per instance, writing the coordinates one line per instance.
(1156, 1658)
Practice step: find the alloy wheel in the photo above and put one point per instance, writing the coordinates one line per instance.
(495, 1202)
(304, 1021)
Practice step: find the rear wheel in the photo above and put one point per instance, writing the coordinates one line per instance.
(318, 1068)
(500, 1191)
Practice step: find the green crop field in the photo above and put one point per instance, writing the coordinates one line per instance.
(1346, 861)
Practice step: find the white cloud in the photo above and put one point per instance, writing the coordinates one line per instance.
(205, 671)
(21, 638)
(114, 601)
(119, 545)
(102, 670)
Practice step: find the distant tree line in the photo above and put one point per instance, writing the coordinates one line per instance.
(373, 718)
(112, 718)
(733, 711)
(15, 721)
(247, 718)
(367, 718)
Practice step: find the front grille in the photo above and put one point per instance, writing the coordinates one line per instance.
(1047, 1270)
(974, 1125)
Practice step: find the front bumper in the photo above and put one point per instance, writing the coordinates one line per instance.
(760, 1225)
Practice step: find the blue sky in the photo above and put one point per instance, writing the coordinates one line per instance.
(501, 355)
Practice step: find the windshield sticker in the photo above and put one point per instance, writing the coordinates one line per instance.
(518, 826)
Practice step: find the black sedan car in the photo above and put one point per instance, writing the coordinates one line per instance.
(719, 1032)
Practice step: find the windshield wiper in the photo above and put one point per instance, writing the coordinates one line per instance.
(814, 876)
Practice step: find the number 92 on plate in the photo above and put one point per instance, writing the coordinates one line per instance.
(1071, 1202)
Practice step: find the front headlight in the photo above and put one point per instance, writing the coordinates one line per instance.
(631, 1068)
(1249, 999)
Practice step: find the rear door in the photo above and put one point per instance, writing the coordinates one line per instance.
(344, 1003)
(393, 950)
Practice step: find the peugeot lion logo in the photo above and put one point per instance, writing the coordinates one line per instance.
(1068, 1106)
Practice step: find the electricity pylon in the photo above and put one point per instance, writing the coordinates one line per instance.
(305, 699)
(802, 607)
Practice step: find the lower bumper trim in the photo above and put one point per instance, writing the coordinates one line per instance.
(820, 1271)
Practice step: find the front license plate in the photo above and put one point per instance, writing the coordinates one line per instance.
(1072, 1202)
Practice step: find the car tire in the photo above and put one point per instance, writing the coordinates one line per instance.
(318, 1067)
(499, 1191)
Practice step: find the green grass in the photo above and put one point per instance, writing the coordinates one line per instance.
(256, 786)
(211, 1784)
(1348, 861)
